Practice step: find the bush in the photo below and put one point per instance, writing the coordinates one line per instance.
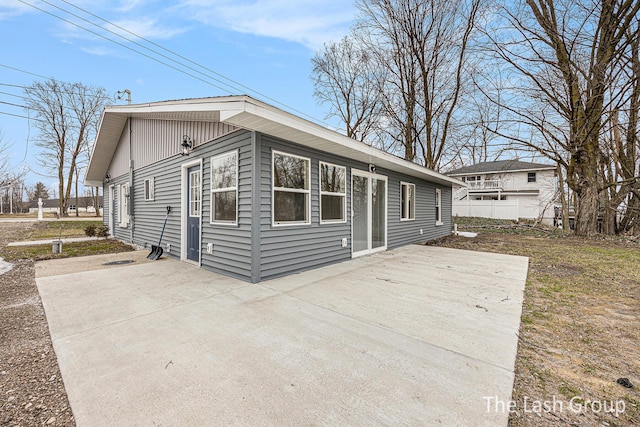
(90, 230)
(102, 231)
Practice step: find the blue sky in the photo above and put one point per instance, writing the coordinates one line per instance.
(266, 45)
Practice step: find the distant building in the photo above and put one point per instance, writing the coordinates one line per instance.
(509, 189)
(85, 204)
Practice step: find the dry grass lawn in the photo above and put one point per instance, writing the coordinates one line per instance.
(580, 327)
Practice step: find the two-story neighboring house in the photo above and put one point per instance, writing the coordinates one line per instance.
(508, 189)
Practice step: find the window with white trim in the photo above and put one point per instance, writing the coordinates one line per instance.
(148, 189)
(333, 193)
(224, 188)
(194, 193)
(438, 206)
(407, 201)
(123, 204)
(291, 189)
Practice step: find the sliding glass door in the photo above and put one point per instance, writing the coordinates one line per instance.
(369, 212)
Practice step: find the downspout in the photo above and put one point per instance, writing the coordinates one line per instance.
(131, 210)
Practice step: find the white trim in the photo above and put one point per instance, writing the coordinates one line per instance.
(370, 176)
(150, 197)
(212, 221)
(329, 193)
(493, 172)
(306, 191)
(124, 190)
(112, 208)
(439, 207)
(413, 201)
(248, 113)
(184, 209)
(198, 214)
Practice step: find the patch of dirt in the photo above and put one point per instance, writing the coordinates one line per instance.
(31, 388)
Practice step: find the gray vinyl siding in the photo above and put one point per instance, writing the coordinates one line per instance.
(232, 244)
(291, 248)
(255, 249)
(156, 140)
(405, 232)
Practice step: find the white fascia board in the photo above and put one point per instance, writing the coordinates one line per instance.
(504, 171)
(256, 111)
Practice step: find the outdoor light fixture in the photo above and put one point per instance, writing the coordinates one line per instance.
(107, 178)
(186, 145)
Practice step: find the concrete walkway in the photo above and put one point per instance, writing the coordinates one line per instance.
(35, 219)
(415, 336)
(49, 241)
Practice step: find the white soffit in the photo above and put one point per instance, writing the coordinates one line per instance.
(248, 113)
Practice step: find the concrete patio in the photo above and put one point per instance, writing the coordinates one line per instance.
(414, 336)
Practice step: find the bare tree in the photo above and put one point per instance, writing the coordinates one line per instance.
(569, 58)
(347, 78)
(68, 115)
(4, 163)
(400, 76)
(425, 45)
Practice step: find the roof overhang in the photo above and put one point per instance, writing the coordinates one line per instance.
(251, 114)
(540, 168)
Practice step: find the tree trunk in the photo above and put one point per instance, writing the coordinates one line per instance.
(587, 209)
(563, 199)
(77, 205)
(96, 202)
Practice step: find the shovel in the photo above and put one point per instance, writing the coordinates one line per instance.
(156, 251)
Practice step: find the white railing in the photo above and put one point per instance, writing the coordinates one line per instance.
(498, 209)
(487, 184)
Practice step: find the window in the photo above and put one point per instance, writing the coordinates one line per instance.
(531, 177)
(148, 189)
(333, 193)
(224, 188)
(407, 201)
(438, 206)
(123, 204)
(291, 189)
(194, 193)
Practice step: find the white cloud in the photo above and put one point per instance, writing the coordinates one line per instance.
(308, 22)
(148, 28)
(97, 50)
(13, 8)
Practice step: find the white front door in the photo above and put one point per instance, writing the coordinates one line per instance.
(368, 213)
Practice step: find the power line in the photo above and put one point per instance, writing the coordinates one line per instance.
(19, 116)
(184, 58)
(23, 71)
(14, 95)
(160, 54)
(11, 85)
(122, 45)
(12, 104)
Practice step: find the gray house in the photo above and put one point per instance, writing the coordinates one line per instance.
(257, 192)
